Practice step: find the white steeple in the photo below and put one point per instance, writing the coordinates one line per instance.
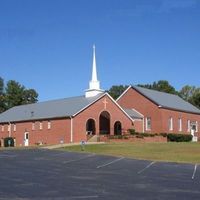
(94, 85)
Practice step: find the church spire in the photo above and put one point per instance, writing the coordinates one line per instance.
(94, 67)
(94, 85)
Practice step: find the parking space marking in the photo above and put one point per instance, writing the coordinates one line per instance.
(84, 197)
(74, 160)
(194, 172)
(149, 165)
(109, 163)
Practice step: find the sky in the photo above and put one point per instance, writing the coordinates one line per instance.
(47, 44)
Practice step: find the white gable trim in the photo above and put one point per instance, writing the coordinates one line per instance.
(88, 105)
(105, 94)
(123, 93)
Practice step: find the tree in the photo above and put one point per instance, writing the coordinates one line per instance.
(187, 92)
(162, 86)
(16, 94)
(116, 90)
(30, 96)
(2, 96)
(196, 100)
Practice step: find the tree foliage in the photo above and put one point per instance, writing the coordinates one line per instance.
(116, 90)
(14, 94)
(162, 86)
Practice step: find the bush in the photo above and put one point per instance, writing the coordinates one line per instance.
(9, 142)
(132, 131)
(173, 137)
(163, 134)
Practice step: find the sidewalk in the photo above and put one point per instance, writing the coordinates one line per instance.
(57, 146)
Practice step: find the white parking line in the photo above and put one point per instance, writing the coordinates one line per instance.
(74, 160)
(149, 165)
(106, 164)
(194, 172)
(84, 197)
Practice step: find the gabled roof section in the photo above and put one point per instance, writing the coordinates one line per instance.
(167, 100)
(50, 109)
(133, 113)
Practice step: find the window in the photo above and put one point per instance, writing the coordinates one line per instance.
(49, 125)
(9, 127)
(148, 123)
(180, 124)
(2, 128)
(170, 123)
(14, 127)
(40, 125)
(188, 125)
(196, 126)
(33, 126)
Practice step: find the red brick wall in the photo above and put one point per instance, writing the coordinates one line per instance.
(60, 130)
(133, 99)
(94, 112)
(159, 116)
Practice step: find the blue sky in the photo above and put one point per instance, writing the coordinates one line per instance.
(47, 44)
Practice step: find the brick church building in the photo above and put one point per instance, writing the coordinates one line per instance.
(162, 112)
(75, 119)
(68, 120)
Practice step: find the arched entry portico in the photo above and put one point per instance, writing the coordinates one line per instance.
(117, 128)
(104, 123)
(90, 127)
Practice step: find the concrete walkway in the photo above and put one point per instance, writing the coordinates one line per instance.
(57, 146)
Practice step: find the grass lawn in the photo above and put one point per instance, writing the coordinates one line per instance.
(172, 152)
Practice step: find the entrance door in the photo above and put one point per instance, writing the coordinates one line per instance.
(26, 139)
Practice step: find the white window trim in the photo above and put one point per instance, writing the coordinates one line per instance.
(180, 124)
(49, 125)
(170, 124)
(33, 126)
(146, 124)
(14, 127)
(2, 128)
(40, 125)
(196, 126)
(188, 125)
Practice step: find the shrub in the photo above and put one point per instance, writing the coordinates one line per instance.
(132, 131)
(173, 137)
(163, 134)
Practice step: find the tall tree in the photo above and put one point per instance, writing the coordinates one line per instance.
(116, 90)
(16, 94)
(187, 92)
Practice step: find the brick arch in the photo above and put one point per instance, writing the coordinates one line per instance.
(91, 127)
(104, 123)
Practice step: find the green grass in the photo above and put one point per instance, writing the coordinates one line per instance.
(171, 152)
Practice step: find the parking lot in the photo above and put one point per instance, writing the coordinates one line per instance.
(54, 174)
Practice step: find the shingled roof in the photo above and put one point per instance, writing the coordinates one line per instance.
(167, 100)
(50, 109)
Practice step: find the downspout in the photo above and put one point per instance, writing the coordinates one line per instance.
(71, 129)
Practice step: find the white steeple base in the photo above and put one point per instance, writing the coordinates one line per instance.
(93, 92)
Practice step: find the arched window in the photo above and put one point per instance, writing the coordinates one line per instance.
(90, 127)
(118, 128)
(104, 123)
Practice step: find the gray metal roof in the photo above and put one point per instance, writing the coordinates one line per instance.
(167, 100)
(133, 114)
(49, 109)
